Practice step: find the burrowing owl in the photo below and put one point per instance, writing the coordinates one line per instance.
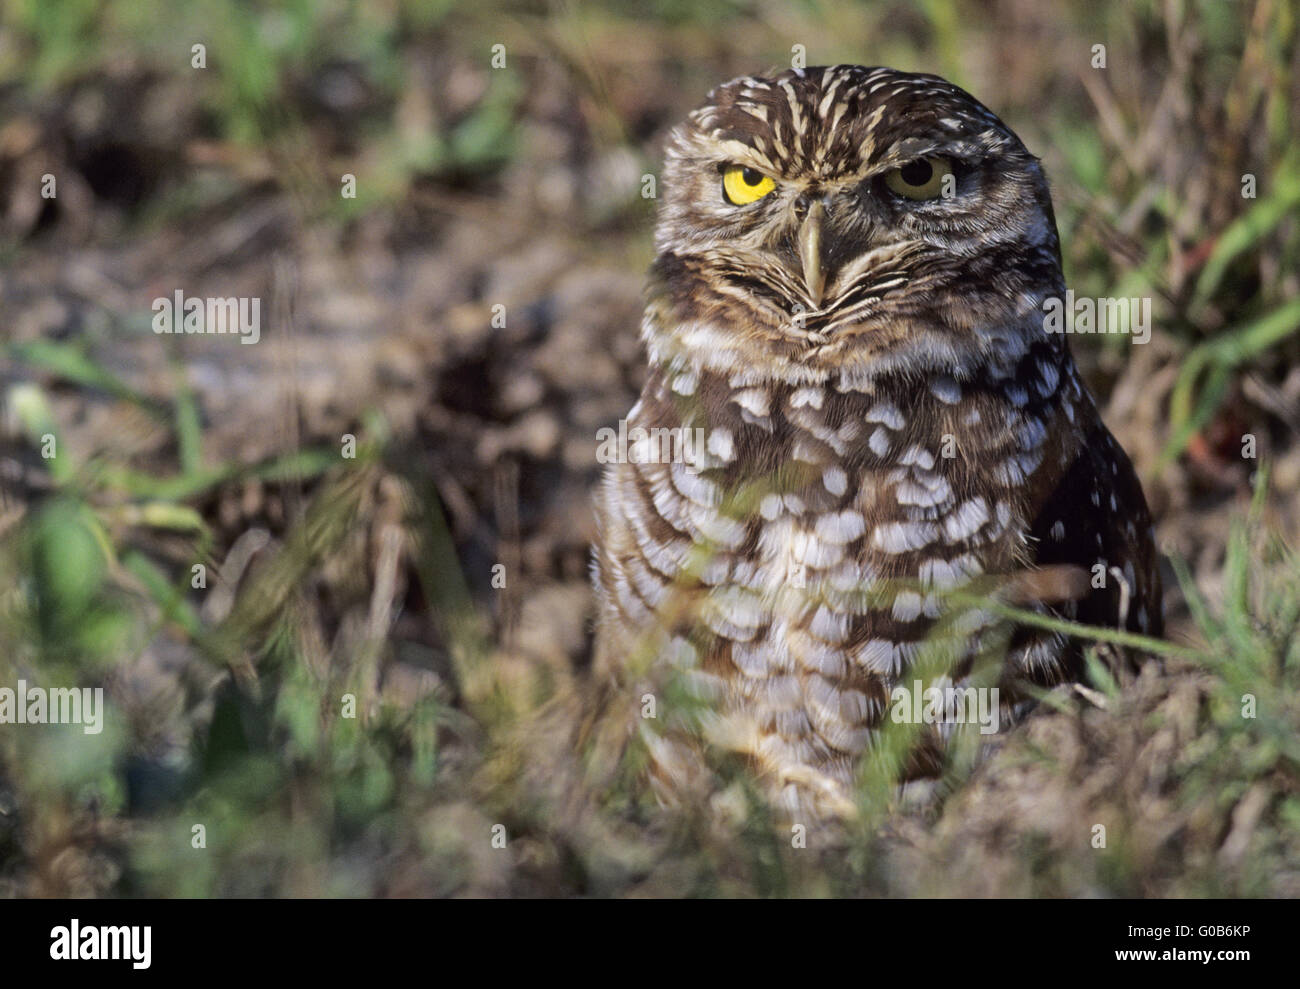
(854, 408)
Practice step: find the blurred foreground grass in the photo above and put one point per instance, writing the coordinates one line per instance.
(1194, 773)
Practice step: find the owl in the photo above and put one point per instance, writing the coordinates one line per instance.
(855, 413)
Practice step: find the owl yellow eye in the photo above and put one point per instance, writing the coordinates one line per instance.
(742, 186)
(920, 179)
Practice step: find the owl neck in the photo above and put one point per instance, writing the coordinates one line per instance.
(752, 339)
(865, 362)
(886, 418)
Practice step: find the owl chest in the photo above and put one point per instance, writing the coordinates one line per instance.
(833, 571)
(821, 528)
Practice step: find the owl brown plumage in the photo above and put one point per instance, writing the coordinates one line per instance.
(847, 310)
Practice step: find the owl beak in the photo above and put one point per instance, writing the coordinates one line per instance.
(810, 253)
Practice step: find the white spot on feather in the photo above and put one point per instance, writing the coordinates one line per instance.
(907, 606)
(945, 389)
(721, 443)
(886, 413)
(840, 527)
(966, 520)
(753, 400)
(903, 537)
(835, 480)
(879, 442)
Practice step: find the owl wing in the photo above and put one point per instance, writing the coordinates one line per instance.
(1096, 518)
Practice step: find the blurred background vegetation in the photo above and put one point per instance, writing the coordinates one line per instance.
(331, 571)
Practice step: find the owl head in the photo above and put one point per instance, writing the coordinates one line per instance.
(849, 219)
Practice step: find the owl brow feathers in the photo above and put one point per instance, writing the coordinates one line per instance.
(838, 120)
